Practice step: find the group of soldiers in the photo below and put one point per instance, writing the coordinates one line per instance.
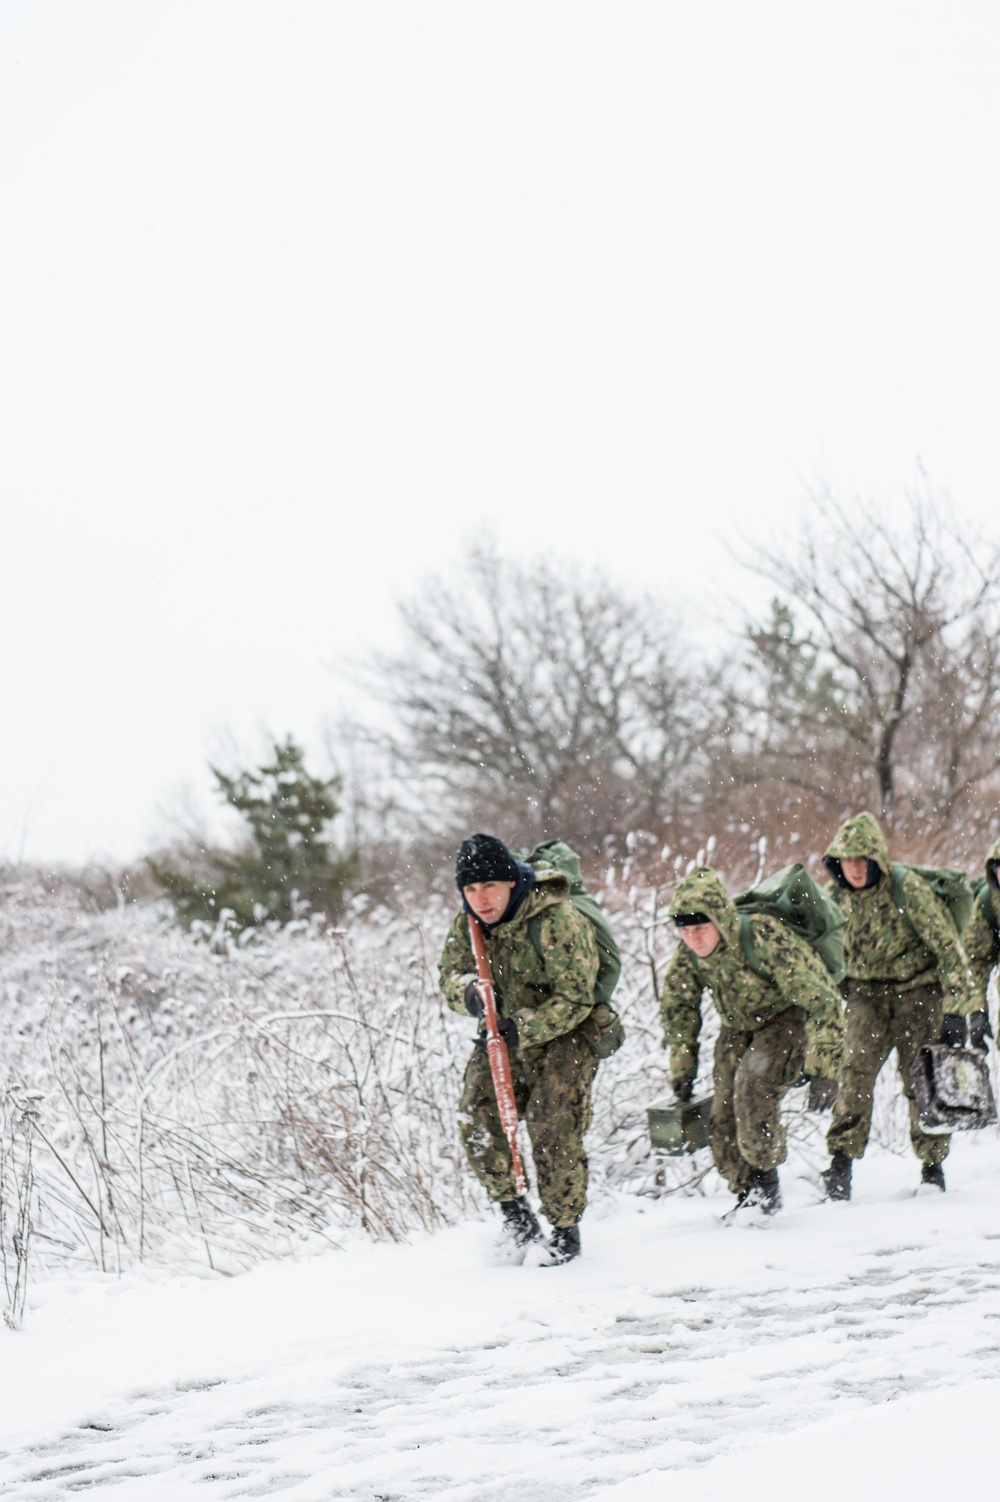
(911, 980)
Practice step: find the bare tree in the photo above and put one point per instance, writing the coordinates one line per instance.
(891, 692)
(543, 703)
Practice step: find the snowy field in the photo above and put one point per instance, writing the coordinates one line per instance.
(849, 1350)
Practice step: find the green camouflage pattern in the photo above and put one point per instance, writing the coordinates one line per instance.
(880, 1018)
(752, 1073)
(552, 1090)
(744, 1000)
(548, 990)
(980, 937)
(547, 994)
(911, 950)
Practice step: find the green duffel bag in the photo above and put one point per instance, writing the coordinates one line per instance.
(950, 887)
(794, 899)
(603, 1029)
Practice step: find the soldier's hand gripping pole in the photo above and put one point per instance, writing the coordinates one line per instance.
(496, 1053)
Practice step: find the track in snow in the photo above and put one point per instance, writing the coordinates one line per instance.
(569, 1398)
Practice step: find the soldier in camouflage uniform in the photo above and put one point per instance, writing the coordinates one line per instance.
(981, 941)
(907, 974)
(544, 978)
(769, 1025)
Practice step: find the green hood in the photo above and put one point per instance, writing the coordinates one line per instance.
(861, 838)
(704, 892)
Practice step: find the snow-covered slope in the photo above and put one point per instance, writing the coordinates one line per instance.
(833, 1351)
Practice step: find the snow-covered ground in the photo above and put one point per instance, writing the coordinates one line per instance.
(848, 1350)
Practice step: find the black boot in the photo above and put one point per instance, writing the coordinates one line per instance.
(764, 1191)
(520, 1228)
(933, 1173)
(837, 1178)
(762, 1195)
(564, 1245)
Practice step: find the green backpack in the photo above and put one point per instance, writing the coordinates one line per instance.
(603, 1028)
(951, 887)
(794, 899)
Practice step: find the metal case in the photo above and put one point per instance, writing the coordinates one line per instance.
(677, 1127)
(953, 1089)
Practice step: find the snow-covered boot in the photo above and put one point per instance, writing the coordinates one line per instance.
(730, 1215)
(933, 1174)
(764, 1191)
(564, 1245)
(520, 1229)
(762, 1196)
(837, 1178)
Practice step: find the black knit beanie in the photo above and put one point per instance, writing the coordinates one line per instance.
(482, 857)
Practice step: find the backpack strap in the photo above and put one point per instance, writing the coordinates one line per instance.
(898, 876)
(985, 902)
(534, 927)
(749, 953)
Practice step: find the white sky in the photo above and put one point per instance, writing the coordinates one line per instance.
(296, 297)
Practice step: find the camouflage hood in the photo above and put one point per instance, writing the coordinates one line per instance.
(861, 838)
(704, 892)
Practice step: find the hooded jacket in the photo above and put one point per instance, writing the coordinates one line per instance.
(981, 940)
(918, 947)
(744, 1000)
(546, 994)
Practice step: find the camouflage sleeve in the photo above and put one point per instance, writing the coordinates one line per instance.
(980, 944)
(927, 916)
(804, 981)
(457, 965)
(569, 950)
(680, 1013)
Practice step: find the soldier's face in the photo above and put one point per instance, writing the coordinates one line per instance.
(700, 937)
(489, 899)
(856, 871)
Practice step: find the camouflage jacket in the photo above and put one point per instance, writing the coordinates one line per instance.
(548, 993)
(980, 939)
(744, 1000)
(918, 947)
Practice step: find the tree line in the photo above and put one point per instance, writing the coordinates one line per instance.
(537, 700)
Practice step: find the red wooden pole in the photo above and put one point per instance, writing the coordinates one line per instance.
(496, 1053)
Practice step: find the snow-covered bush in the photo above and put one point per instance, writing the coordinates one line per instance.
(226, 1095)
(219, 1097)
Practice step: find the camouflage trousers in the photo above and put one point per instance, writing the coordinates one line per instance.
(552, 1089)
(877, 1019)
(753, 1071)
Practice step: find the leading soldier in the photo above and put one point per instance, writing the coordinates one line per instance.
(545, 997)
(908, 984)
(770, 1023)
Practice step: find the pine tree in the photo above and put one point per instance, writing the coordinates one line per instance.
(286, 865)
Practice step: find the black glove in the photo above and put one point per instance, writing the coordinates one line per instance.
(822, 1093)
(953, 1032)
(682, 1089)
(507, 1028)
(979, 1030)
(473, 1000)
